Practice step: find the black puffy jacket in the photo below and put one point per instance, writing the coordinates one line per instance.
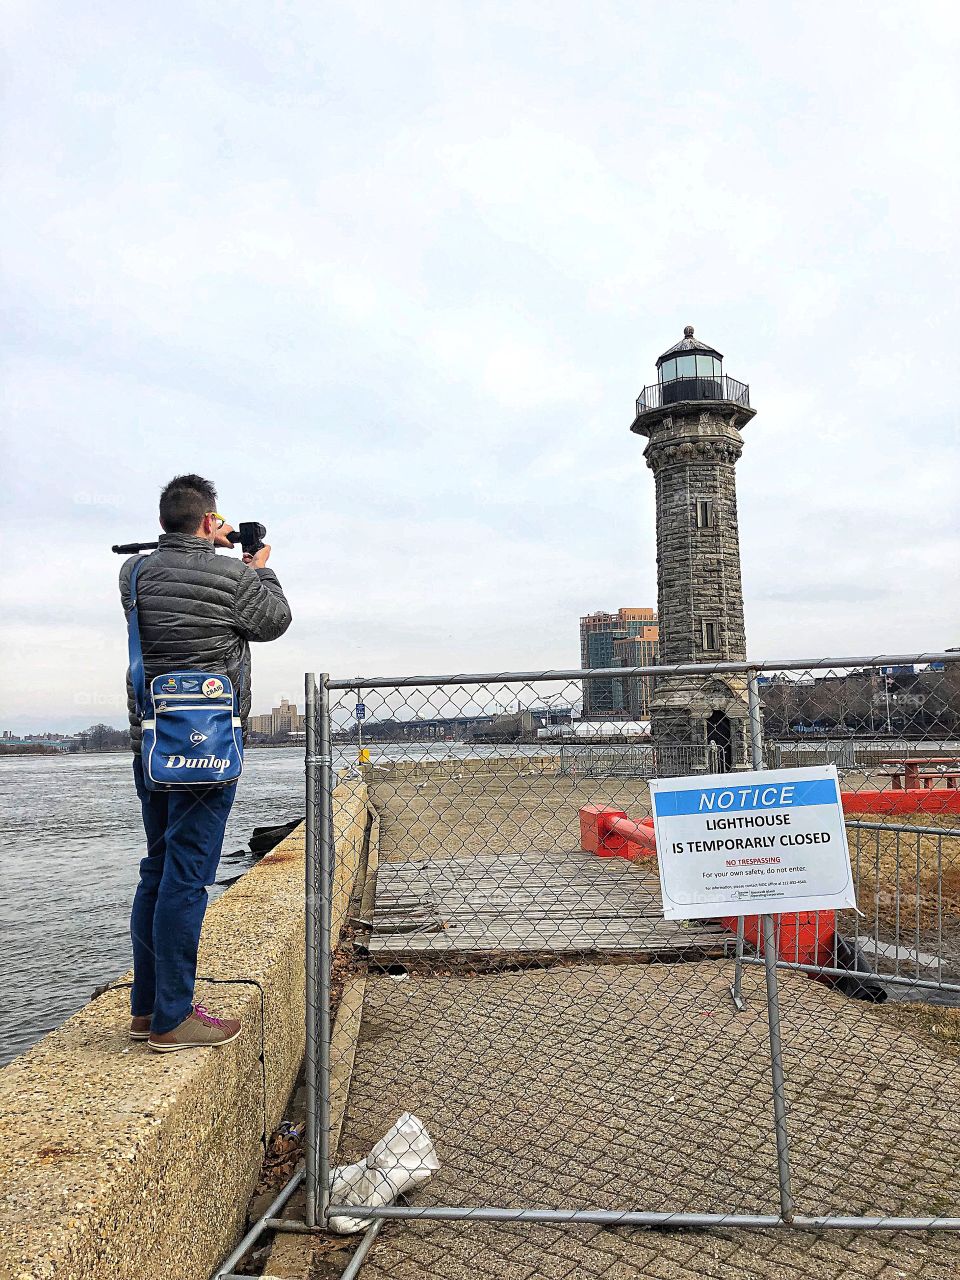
(200, 610)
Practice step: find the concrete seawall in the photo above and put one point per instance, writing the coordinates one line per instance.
(117, 1163)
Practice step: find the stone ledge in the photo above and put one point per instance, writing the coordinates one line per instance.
(116, 1162)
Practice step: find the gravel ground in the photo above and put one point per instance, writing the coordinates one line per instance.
(505, 809)
(639, 1086)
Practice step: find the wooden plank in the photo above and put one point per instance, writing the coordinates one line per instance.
(566, 903)
(416, 949)
(545, 940)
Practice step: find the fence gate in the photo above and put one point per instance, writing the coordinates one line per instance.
(576, 1057)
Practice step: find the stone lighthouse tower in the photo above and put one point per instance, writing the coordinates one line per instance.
(692, 417)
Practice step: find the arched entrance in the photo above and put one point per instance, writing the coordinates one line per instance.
(719, 735)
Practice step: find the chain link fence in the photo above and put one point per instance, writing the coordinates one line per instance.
(584, 1064)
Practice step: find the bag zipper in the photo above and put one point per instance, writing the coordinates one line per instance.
(235, 721)
(194, 696)
(197, 706)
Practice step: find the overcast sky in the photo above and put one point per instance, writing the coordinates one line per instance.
(393, 274)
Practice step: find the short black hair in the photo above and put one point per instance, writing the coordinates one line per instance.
(184, 502)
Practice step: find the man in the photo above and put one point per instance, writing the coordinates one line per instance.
(196, 610)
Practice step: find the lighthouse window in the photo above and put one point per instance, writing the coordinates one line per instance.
(711, 635)
(704, 513)
(691, 366)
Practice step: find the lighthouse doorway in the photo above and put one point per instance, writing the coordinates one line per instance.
(719, 735)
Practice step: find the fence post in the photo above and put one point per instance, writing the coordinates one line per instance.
(756, 723)
(310, 945)
(756, 762)
(770, 970)
(776, 1068)
(319, 873)
(325, 819)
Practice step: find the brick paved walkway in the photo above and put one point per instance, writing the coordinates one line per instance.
(624, 1085)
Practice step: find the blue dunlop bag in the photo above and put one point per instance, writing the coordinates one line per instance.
(190, 721)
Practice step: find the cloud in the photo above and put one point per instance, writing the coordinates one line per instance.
(395, 281)
(807, 595)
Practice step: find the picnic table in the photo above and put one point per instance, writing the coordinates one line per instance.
(924, 771)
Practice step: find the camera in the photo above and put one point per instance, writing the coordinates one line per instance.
(250, 535)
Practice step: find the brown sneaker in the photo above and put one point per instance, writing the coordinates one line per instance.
(140, 1028)
(200, 1031)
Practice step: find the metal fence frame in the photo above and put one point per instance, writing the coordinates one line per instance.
(320, 783)
(587, 760)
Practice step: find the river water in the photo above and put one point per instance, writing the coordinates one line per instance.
(71, 845)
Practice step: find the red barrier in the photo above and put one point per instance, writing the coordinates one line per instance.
(803, 937)
(609, 833)
(912, 801)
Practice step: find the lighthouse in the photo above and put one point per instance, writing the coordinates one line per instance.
(692, 417)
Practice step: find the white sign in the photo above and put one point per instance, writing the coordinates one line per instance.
(752, 843)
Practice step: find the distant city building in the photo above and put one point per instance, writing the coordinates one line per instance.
(49, 741)
(627, 638)
(282, 720)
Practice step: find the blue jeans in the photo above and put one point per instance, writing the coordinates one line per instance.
(184, 836)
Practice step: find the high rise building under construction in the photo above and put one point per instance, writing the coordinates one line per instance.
(627, 638)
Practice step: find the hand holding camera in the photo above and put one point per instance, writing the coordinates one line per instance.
(259, 560)
(256, 553)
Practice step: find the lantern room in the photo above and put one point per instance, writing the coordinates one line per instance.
(690, 370)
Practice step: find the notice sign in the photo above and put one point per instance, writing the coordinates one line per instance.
(751, 843)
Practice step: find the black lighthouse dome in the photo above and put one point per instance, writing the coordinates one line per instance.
(690, 370)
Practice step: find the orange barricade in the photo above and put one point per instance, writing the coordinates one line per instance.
(803, 937)
(910, 801)
(609, 833)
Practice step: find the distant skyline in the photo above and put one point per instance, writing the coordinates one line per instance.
(393, 278)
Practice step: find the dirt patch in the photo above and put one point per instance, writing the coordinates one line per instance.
(497, 812)
(933, 1024)
(908, 886)
(56, 1153)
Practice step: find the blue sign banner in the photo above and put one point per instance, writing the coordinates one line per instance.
(744, 799)
(360, 711)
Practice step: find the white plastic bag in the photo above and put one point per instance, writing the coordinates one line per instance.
(403, 1157)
